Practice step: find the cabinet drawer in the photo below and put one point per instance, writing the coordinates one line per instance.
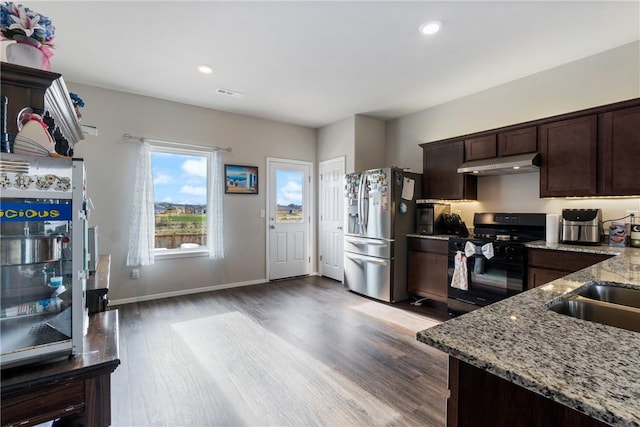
(43, 404)
(562, 260)
(428, 245)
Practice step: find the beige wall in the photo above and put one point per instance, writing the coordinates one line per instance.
(369, 143)
(110, 164)
(608, 77)
(337, 140)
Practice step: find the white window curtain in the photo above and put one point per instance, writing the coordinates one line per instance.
(142, 223)
(215, 228)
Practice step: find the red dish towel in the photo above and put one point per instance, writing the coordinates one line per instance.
(459, 279)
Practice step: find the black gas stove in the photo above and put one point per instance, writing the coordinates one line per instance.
(491, 264)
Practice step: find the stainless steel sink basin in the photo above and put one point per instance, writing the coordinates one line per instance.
(613, 294)
(606, 313)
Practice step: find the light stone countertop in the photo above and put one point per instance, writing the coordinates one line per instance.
(587, 366)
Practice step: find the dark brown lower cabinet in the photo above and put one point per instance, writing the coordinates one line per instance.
(427, 274)
(546, 265)
(481, 399)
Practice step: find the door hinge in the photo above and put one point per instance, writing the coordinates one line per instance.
(309, 260)
(309, 177)
(320, 257)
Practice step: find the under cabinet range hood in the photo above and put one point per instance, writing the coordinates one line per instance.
(521, 163)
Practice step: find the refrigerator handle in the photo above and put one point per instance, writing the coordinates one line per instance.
(365, 259)
(364, 242)
(362, 209)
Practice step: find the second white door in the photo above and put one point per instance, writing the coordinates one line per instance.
(331, 218)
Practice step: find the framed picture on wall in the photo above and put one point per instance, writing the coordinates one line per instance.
(240, 179)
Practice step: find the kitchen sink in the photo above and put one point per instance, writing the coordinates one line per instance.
(604, 303)
(613, 294)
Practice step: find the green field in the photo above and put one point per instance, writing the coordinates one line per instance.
(180, 224)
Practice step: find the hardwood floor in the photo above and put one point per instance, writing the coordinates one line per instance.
(303, 351)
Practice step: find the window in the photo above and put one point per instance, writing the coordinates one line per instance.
(180, 181)
(180, 189)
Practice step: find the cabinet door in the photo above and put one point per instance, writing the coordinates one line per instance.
(483, 147)
(539, 276)
(519, 141)
(427, 275)
(568, 157)
(619, 149)
(440, 179)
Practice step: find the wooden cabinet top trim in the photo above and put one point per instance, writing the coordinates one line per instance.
(575, 114)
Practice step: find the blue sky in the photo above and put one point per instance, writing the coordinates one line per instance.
(179, 179)
(289, 185)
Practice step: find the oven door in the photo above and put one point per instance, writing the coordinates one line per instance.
(488, 281)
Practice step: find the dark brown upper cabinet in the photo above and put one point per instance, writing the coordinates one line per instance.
(568, 164)
(519, 141)
(619, 152)
(509, 143)
(440, 179)
(484, 147)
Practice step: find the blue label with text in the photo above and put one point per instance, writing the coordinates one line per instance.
(35, 212)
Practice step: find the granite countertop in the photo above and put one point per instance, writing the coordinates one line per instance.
(587, 366)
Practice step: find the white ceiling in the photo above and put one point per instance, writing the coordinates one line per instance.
(314, 63)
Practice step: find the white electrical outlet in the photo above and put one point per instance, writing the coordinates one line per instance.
(135, 273)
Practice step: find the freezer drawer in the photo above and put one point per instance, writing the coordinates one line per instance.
(381, 248)
(369, 276)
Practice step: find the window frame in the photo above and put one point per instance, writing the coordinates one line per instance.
(202, 251)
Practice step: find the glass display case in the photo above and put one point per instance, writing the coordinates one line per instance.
(43, 238)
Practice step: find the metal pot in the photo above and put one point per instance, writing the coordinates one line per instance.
(30, 249)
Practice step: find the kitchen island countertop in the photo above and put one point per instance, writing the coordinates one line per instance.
(587, 366)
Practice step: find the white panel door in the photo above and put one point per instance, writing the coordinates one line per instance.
(289, 218)
(331, 218)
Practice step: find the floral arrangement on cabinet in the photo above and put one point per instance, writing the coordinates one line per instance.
(23, 25)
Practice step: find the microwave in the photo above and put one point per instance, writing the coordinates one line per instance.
(430, 217)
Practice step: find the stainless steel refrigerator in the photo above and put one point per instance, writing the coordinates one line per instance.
(379, 213)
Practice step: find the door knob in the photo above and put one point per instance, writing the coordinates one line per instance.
(272, 226)
(339, 228)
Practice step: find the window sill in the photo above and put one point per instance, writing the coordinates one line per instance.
(183, 253)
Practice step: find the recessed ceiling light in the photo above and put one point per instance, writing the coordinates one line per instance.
(205, 69)
(430, 27)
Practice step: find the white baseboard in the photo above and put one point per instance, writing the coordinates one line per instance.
(114, 302)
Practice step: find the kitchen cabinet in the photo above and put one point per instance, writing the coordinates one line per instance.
(484, 147)
(427, 274)
(546, 265)
(518, 141)
(481, 399)
(440, 179)
(619, 152)
(507, 143)
(568, 150)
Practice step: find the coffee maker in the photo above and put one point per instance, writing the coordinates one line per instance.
(430, 216)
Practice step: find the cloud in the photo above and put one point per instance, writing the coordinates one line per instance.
(194, 191)
(162, 178)
(167, 199)
(289, 193)
(195, 167)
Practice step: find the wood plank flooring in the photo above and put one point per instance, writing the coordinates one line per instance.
(303, 351)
